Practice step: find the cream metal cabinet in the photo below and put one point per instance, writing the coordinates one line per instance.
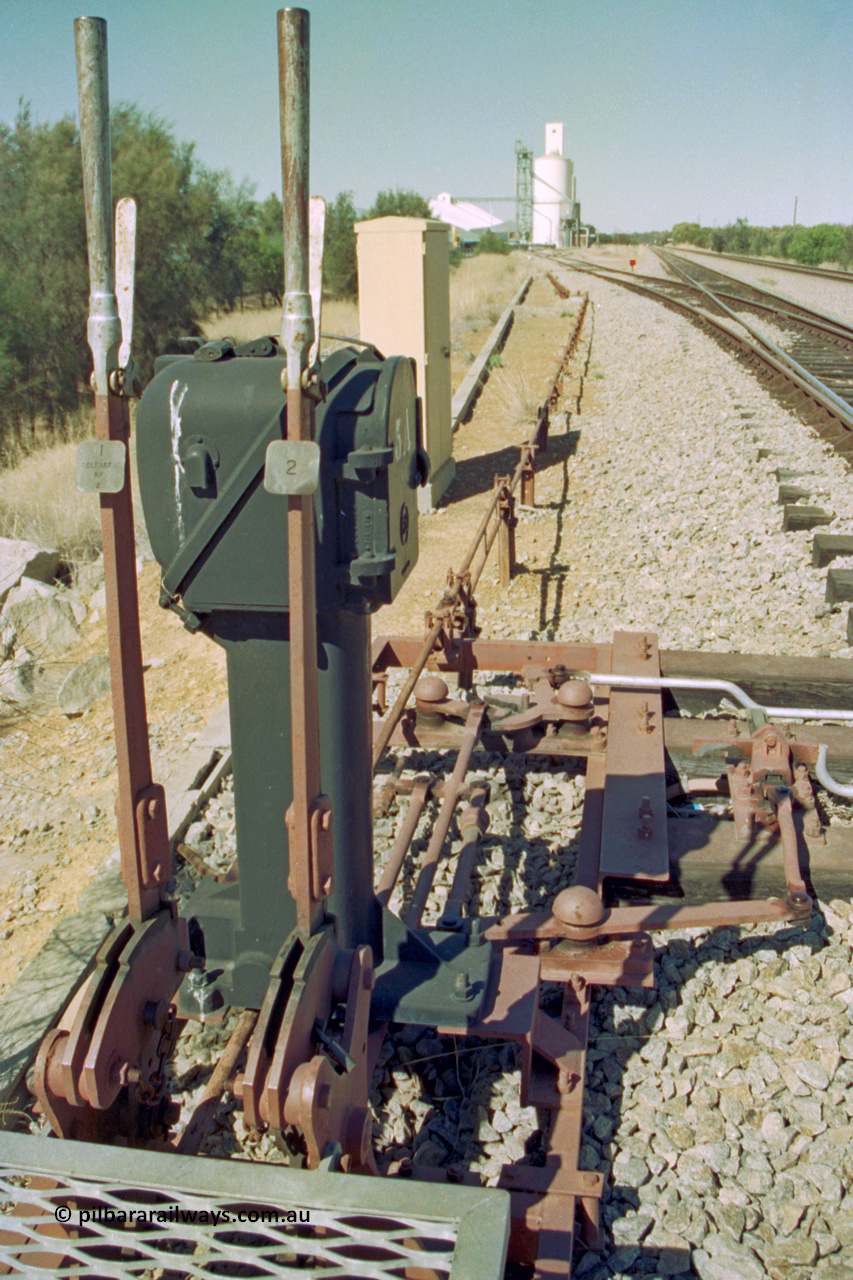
(404, 309)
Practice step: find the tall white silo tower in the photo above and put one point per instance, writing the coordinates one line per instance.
(552, 188)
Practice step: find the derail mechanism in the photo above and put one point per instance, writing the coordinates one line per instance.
(605, 704)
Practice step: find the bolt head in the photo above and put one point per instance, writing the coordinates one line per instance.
(578, 906)
(574, 693)
(431, 689)
(155, 1013)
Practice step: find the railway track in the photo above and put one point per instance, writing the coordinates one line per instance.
(776, 264)
(812, 339)
(808, 359)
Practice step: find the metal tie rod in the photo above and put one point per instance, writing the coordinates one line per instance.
(721, 686)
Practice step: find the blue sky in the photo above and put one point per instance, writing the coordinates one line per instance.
(673, 109)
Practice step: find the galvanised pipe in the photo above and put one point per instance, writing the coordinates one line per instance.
(104, 327)
(825, 778)
(721, 686)
(297, 323)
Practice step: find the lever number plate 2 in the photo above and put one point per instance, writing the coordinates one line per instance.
(292, 467)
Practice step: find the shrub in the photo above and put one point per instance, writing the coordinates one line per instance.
(814, 245)
(490, 243)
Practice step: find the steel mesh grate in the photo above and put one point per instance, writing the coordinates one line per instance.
(180, 1218)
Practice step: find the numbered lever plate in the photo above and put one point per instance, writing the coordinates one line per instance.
(292, 467)
(100, 466)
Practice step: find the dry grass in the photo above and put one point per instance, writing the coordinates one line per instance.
(517, 396)
(39, 503)
(340, 317)
(481, 287)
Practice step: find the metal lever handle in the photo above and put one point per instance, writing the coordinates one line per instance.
(125, 271)
(317, 225)
(104, 328)
(140, 806)
(341, 1060)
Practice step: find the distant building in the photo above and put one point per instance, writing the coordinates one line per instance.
(468, 220)
(556, 211)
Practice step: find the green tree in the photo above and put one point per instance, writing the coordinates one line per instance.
(760, 241)
(340, 269)
(691, 233)
(267, 262)
(201, 241)
(399, 203)
(43, 278)
(734, 237)
(846, 259)
(780, 241)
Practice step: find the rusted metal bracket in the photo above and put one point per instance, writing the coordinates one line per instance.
(321, 856)
(507, 522)
(152, 830)
(633, 832)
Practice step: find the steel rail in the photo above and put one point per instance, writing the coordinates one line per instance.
(809, 318)
(762, 348)
(762, 299)
(452, 594)
(833, 402)
(775, 264)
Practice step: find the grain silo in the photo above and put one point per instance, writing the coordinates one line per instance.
(552, 189)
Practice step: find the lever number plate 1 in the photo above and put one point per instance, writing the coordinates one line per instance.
(292, 467)
(100, 466)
